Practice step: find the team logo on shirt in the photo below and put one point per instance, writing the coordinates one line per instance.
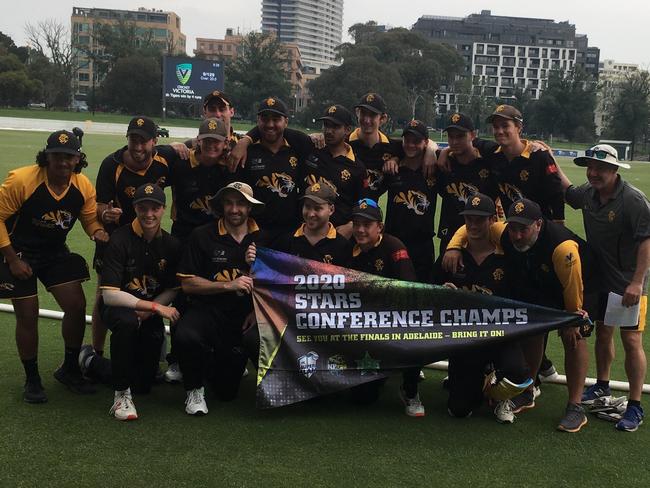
(462, 191)
(484, 173)
(511, 191)
(523, 176)
(327, 259)
(431, 181)
(545, 268)
(130, 191)
(498, 274)
(147, 285)
(280, 183)
(569, 260)
(386, 156)
(228, 275)
(293, 161)
(162, 264)
(379, 265)
(611, 216)
(375, 178)
(345, 175)
(56, 218)
(414, 200)
(6, 286)
(307, 364)
(202, 204)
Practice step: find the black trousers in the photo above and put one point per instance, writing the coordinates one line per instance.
(135, 348)
(467, 374)
(208, 344)
(422, 254)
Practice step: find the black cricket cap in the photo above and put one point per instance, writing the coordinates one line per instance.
(460, 122)
(142, 126)
(524, 212)
(416, 128)
(373, 102)
(506, 112)
(479, 204)
(367, 208)
(217, 96)
(149, 192)
(273, 105)
(320, 193)
(63, 141)
(339, 115)
(213, 128)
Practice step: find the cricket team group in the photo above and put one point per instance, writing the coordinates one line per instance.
(501, 230)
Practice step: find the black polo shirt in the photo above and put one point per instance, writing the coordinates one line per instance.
(116, 182)
(194, 185)
(332, 249)
(531, 175)
(491, 277)
(456, 187)
(411, 206)
(139, 267)
(389, 258)
(213, 254)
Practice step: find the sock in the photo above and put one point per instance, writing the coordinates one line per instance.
(603, 383)
(31, 369)
(634, 403)
(71, 359)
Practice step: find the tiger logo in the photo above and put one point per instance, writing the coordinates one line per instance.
(511, 191)
(375, 179)
(202, 204)
(146, 286)
(280, 183)
(462, 191)
(228, 275)
(328, 259)
(57, 218)
(414, 200)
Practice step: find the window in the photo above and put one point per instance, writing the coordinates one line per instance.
(531, 73)
(480, 48)
(490, 70)
(521, 62)
(508, 50)
(521, 51)
(478, 70)
(533, 52)
(84, 77)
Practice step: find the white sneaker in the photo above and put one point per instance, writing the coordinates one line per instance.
(195, 402)
(503, 412)
(537, 392)
(413, 406)
(173, 374)
(123, 407)
(245, 373)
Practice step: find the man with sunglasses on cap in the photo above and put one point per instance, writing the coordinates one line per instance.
(382, 254)
(616, 218)
(214, 275)
(39, 205)
(553, 267)
(411, 206)
(486, 271)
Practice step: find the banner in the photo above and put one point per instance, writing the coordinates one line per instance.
(324, 328)
(189, 79)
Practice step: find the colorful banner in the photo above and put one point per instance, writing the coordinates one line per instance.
(324, 328)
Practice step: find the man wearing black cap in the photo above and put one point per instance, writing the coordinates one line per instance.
(214, 275)
(485, 271)
(616, 218)
(469, 173)
(316, 238)
(216, 105)
(121, 172)
(39, 204)
(553, 267)
(138, 283)
(411, 206)
(382, 254)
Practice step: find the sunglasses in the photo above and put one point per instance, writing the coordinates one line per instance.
(369, 202)
(598, 154)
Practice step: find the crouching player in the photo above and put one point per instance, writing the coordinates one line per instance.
(138, 283)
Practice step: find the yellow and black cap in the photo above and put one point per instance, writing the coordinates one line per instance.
(339, 115)
(63, 141)
(524, 212)
(149, 192)
(273, 105)
(368, 209)
(506, 112)
(480, 205)
(213, 128)
(416, 128)
(142, 126)
(373, 102)
(320, 193)
(460, 122)
(216, 96)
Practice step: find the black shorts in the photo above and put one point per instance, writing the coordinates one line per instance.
(598, 315)
(98, 257)
(52, 269)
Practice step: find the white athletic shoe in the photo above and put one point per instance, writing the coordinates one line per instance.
(537, 392)
(123, 407)
(195, 402)
(245, 373)
(412, 406)
(503, 412)
(173, 374)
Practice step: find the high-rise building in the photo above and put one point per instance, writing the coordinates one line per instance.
(315, 26)
(502, 54)
(164, 28)
(612, 74)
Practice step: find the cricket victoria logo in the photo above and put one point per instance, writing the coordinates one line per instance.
(184, 72)
(307, 364)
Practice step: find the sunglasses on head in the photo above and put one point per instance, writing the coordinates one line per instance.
(598, 154)
(368, 201)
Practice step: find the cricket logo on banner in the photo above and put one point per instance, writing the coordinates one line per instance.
(324, 328)
(184, 72)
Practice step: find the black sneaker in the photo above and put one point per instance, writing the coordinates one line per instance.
(524, 401)
(34, 392)
(74, 381)
(574, 418)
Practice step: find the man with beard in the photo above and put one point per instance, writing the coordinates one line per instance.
(214, 275)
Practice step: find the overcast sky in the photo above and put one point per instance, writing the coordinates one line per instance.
(620, 29)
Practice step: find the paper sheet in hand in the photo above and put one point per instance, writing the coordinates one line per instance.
(617, 314)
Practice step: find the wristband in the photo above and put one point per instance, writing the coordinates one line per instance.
(154, 307)
(102, 216)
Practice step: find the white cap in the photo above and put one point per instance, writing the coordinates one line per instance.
(601, 152)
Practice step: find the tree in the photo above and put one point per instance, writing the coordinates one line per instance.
(7, 46)
(257, 72)
(17, 89)
(133, 86)
(629, 115)
(50, 41)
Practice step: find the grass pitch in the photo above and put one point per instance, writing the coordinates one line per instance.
(72, 441)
